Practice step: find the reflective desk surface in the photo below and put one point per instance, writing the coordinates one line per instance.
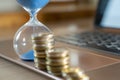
(96, 64)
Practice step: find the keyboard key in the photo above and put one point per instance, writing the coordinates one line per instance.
(97, 40)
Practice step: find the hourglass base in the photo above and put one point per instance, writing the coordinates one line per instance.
(28, 56)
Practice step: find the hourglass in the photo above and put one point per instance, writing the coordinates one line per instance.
(22, 41)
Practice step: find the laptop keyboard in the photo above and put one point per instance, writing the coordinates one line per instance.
(97, 40)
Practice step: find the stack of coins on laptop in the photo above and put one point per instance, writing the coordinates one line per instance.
(57, 60)
(74, 74)
(41, 43)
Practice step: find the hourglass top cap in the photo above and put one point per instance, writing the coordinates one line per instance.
(33, 4)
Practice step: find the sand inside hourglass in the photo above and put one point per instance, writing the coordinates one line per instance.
(33, 4)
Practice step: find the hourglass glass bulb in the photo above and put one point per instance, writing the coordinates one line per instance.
(23, 38)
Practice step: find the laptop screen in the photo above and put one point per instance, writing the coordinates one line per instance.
(108, 14)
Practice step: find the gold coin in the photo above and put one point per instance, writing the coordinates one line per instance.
(41, 67)
(57, 64)
(57, 53)
(38, 48)
(40, 54)
(73, 70)
(44, 69)
(44, 42)
(85, 77)
(57, 69)
(42, 47)
(39, 60)
(72, 78)
(55, 74)
(76, 77)
(72, 73)
(57, 60)
(40, 64)
(41, 36)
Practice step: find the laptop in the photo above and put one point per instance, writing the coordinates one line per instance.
(106, 33)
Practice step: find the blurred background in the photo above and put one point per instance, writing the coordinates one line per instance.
(58, 15)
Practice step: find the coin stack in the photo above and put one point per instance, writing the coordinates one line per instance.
(57, 60)
(41, 43)
(74, 74)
